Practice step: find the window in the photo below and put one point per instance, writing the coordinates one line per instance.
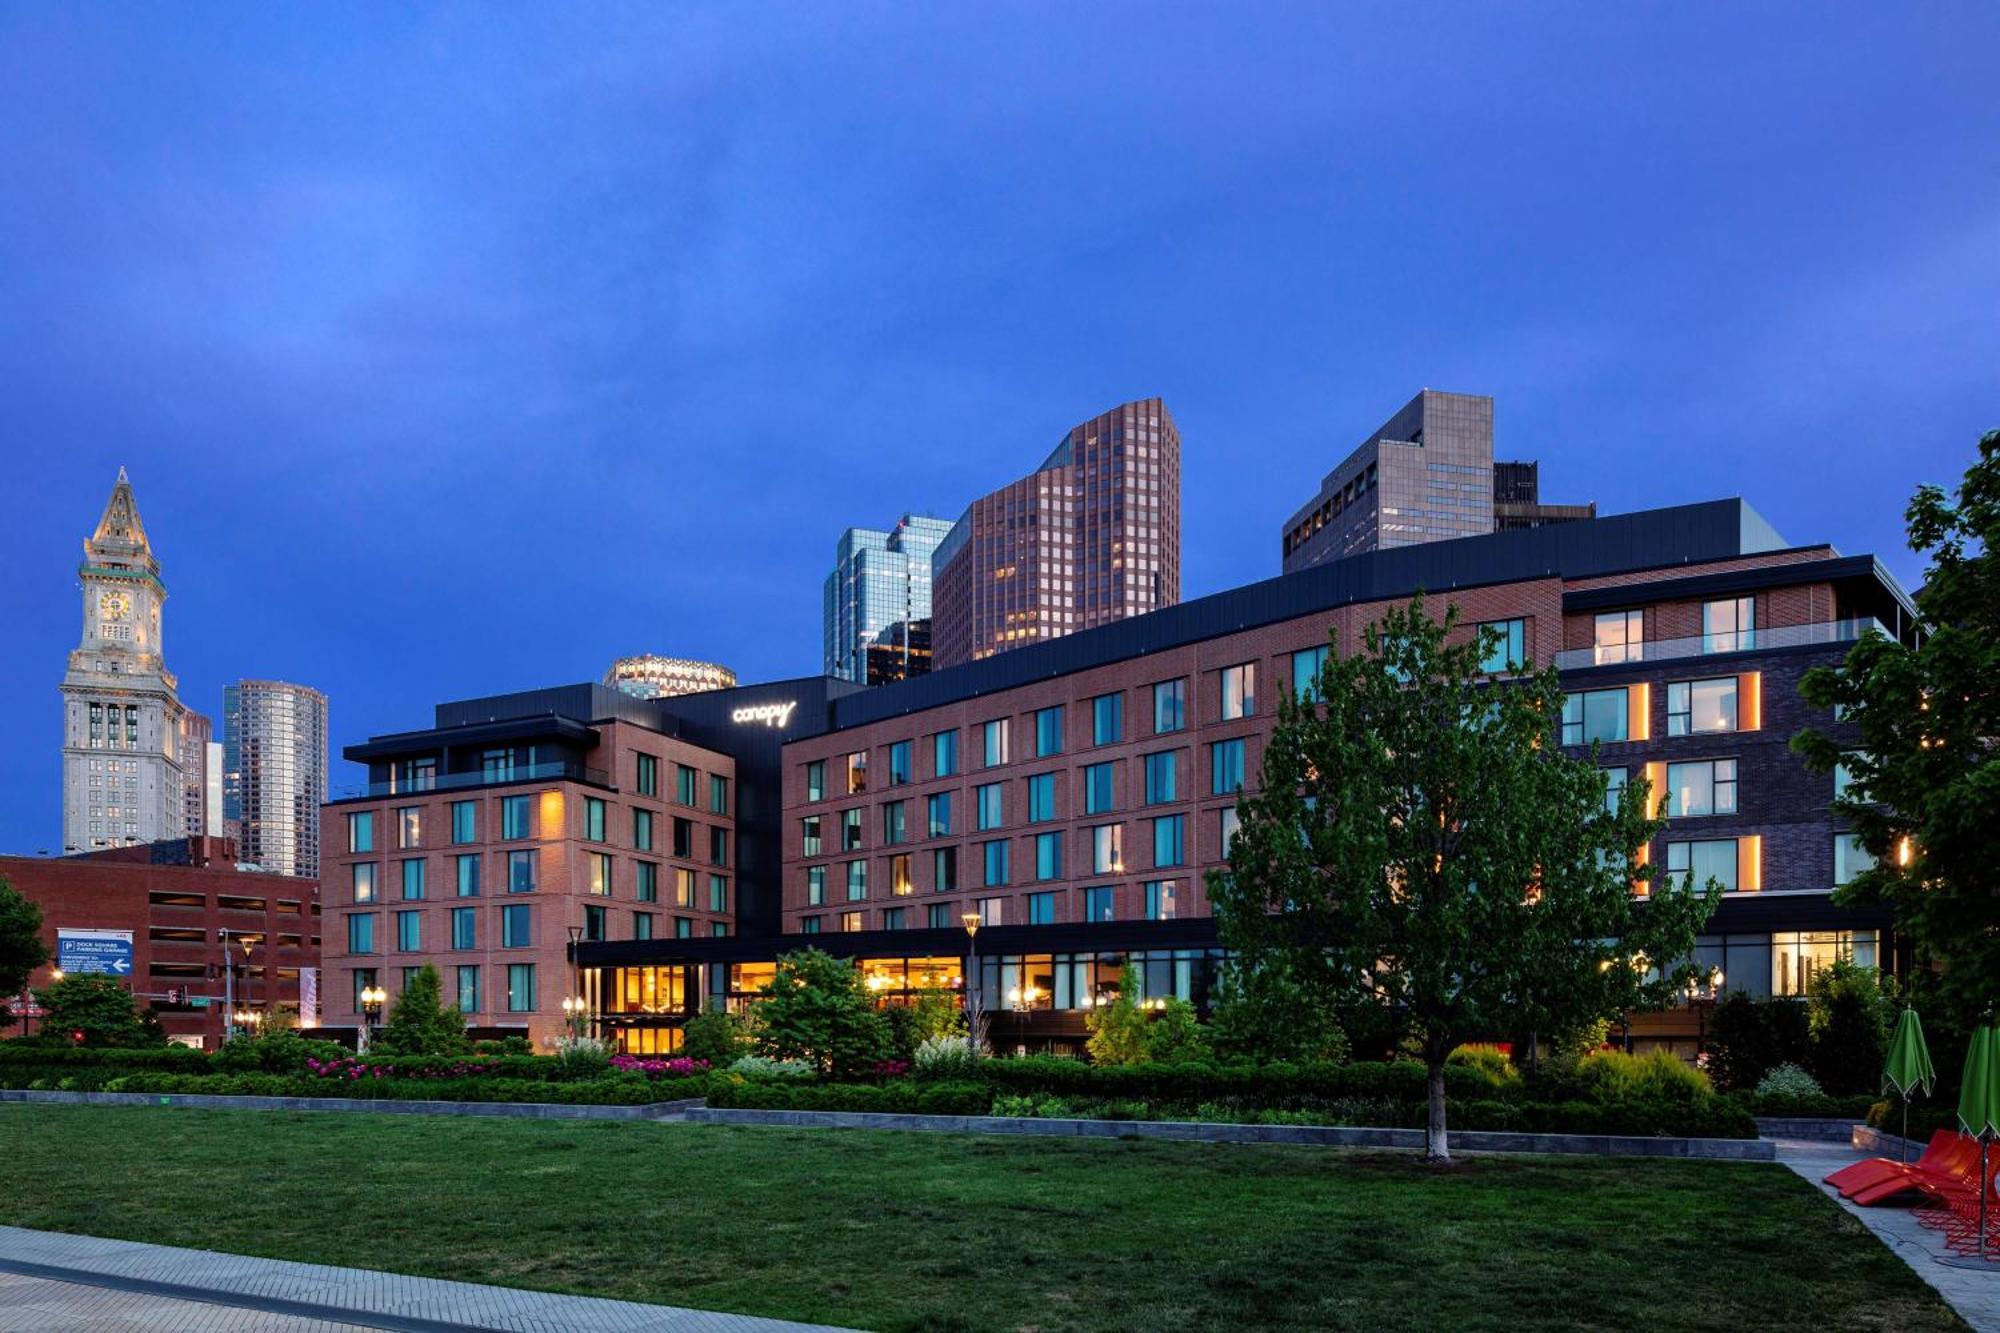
(895, 823)
(1699, 862)
(1503, 646)
(597, 866)
(1169, 706)
(1041, 909)
(815, 886)
(992, 911)
(465, 868)
(410, 931)
(894, 918)
(1704, 787)
(810, 843)
(986, 801)
(413, 879)
(496, 765)
(1697, 706)
(685, 779)
(857, 880)
(520, 988)
(1048, 855)
(899, 763)
(1619, 636)
(1107, 719)
(850, 829)
(1850, 858)
(995, 854)
(646, 881)
(944, 753)
(993, 736)
(900, 883)
(516, 927)
(938, 916)
(593, 922)
(642, 830)
(1170, 841)
(1160, 900)
(718, 794)
(1239, 691)
(1099, 904)
(409, 826)
(1729, 626)
(809, 925)
(1107, 849)
(1614, 789)
(1844, 782)
(361, 932)
(1594, 715)
(1225, 765)
(648, 775)
(514, 817)
(1041, 797)
(937, 814)
(520, 872)
(718, 893)
(1306, 666)
(363, 978)
(1160, 777)
(593, 819)
(683, 887)
(364, 881)
(1048, 731)
(468, 989)
(816, 780)
(1797, 956)
(944, 869)
(1230, 821)
(642, 925)
(1097, 797)
(360, 829)
(851, 921)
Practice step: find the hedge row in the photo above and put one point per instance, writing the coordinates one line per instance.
(901, 1097)
(1277, 1086)
(619, 1090)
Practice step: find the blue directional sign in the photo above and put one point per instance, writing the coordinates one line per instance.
(94, 951)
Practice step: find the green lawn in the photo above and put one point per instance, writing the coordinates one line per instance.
(924, 1231)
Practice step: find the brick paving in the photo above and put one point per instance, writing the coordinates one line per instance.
(1972, 1291)
(50, 1280)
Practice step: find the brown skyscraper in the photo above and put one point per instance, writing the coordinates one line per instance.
(1092, 535)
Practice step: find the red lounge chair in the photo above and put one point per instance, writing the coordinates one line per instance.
(1951, 1178)
(1877, 1170)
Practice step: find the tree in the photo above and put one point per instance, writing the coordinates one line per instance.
(817, 1010)
(1174, 1035)
(21, 947)
(715, 1036)
(1432, 868)
(1920, 745)
(1118, 1029)
(1850, 1011)
(420, 1023)
(94, 1009)
(1263, 1014)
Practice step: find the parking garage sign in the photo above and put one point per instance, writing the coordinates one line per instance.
(94, 951)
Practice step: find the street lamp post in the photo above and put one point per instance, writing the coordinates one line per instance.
(372, 999)
(972, 922)
(573, 1004)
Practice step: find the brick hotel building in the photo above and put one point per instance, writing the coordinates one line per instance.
(1074, 793)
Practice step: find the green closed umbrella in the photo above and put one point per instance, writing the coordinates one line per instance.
(1979, 1104)
(1909, 1065)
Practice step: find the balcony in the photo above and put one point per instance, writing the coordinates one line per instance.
(1710, 645)
(555, 771)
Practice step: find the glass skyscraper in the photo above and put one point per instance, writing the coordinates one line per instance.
(879, 579)
(274, 779)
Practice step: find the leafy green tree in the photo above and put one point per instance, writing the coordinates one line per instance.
(1174, 1035)
(1263, 1015)
(1118, 1029)
(817, 1010)
(420, 1023)
(1850, 1011)
(21, 947)
(98, 1009)
(715, 1036)
(1920, 744)
(1432, 868)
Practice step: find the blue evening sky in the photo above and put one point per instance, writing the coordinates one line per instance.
(456, 350)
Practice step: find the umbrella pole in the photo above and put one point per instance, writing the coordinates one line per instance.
(1985, 1188)
(1905, 1150)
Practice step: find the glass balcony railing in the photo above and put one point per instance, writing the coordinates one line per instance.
(1706, 645)
(499, 775)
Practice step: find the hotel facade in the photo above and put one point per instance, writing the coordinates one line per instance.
(1074, 794)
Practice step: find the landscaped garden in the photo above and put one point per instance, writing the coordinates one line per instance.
(902, 1231)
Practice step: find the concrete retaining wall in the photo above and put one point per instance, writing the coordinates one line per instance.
(1835, 1129)
(1869, 1139)
(1325, 1136)
(380, 1105)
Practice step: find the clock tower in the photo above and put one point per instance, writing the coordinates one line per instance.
(122, 775)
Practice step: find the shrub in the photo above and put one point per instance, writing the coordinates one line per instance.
(420, 1023)
(503, 1046)
(1611, 1076)
(1174, 1035)
(760, 1066)
(946, 1058)
(1850, 1011)
(1788, 1080)
(715, 1036)
(95, 1009)
(1490, 1061)
(582, 1057)
(1040, 1106)
(1118, 1029)
(817, 1010)
(282, 1052)
(902, 1097)
(1748, 1038)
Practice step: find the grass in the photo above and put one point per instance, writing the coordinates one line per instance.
(942, 1232)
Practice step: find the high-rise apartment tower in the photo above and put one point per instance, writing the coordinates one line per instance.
(274, 782)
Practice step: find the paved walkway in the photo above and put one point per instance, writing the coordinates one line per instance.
(1973, 1292)
(49, 1281)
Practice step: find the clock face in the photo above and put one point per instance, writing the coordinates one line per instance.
(114, 605)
